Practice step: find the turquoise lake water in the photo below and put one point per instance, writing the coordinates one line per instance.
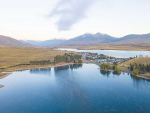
(74, 89)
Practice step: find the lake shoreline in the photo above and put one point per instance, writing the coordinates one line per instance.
(140, 76)
(3, 75)
(37, 67)
(64, 64)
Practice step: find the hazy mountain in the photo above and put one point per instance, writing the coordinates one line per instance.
(53, 42)
(144, 38)
(32, 42)
(90, 39)
(99, 38)
(8, 41)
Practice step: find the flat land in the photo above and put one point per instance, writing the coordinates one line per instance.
(144, 60)
(112, 46)
(10, 56)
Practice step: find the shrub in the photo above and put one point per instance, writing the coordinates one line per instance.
(75, 61)
(105, 66)
(135, 72)
(117, 69)
(42, 62)
(80, 61)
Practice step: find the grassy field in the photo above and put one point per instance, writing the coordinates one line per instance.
(145, 60)
(10, 56)
(113, 46)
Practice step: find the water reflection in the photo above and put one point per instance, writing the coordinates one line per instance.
(73, 66)
(45, 71)
(61, 68)
(138, 78)
(82, 90)
(105, 73)
(116, 73)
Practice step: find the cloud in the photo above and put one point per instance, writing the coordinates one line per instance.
(70, 12)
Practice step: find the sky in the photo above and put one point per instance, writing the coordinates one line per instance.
(48, 19)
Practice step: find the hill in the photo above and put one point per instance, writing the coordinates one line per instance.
(144, 60)
(8, 41)
(144, 38)
(89, 39)
(53, 42)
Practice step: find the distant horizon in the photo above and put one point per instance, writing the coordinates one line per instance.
(73, 37)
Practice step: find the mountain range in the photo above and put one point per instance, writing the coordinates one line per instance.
(85, 39)
(90, 39)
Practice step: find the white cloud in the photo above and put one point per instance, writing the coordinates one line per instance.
(70, 12)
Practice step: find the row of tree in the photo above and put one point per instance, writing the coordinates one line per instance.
(66, 58)
(108, 66)
(140, 67)
(42, 62)
(105, 66)
(79, 61)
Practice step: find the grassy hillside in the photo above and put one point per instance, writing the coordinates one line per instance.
(8, 41)
(10, 56)
(145, 60)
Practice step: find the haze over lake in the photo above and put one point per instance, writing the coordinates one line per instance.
(73, 88)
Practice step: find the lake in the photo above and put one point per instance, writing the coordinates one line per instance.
(114, 53)
(73, 89)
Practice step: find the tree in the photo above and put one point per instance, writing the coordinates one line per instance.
(144, 70)
(117, 69)
(114, 66)
(75, 61)
(55, 62)
(105, 66)
(42, 62)
(135, 72)
(115, 63)
(80, 61)
(67, 59)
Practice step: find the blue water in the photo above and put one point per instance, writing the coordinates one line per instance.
(114, 53)
(74, 89)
